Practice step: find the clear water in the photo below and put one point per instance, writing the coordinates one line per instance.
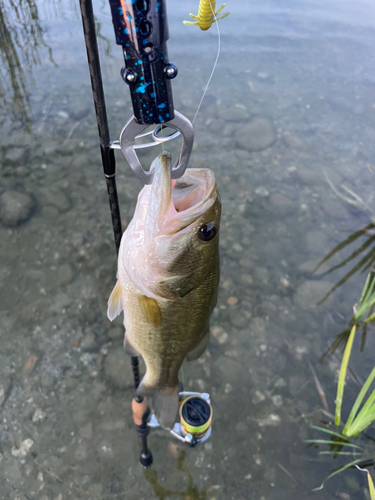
(307, 68)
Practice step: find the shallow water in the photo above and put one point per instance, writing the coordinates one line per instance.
(307, 68)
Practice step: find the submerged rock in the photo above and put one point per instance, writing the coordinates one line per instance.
(24, 448)
(54, 197)
(256, 135)
(65, 274)
(233, 113)
(15, 208)
(310, 292)
(280, 204)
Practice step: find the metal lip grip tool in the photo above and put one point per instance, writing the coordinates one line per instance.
(141, 28)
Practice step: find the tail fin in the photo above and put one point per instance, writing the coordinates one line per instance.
(165, 406)
(164, 403)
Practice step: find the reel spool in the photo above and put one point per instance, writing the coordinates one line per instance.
(195, 416)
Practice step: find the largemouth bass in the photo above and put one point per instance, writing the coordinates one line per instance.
(168, 276)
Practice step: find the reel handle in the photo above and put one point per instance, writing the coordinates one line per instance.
(141, 412)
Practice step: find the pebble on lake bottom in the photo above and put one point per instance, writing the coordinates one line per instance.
(256, 135)
(38, 415)
(15, 208)
(23, 449)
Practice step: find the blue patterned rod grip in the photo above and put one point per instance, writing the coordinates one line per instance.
(141, 28)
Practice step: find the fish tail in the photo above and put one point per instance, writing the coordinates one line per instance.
(164, 403)
(165, 406)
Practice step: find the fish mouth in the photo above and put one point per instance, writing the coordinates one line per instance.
(192, 196)
(175, 204)
(193, 190)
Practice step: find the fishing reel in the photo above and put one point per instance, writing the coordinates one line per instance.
(195, 413)
(194, 428)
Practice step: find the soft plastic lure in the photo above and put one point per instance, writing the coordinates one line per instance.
(206, 15)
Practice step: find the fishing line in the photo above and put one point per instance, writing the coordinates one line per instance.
(213, 69)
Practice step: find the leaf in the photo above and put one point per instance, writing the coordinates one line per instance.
(360, 424)
(351, 453)
(342, 375)
(348, 275)
(371, 486)
(336, 443)
(344, 438)
(352, 256)
(359, 400)
(344, 244)
(337, 471)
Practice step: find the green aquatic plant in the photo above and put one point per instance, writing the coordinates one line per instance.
(366, 305)
(362, 413)
(342, 376)
(364, 264)
(358, 421)
(371, 486)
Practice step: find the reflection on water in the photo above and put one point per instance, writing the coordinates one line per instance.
(23, 47)
(190, 493)
(21, 36)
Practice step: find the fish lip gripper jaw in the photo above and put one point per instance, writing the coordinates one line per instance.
(141, 28)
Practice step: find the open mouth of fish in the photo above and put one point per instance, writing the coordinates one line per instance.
(175, 204)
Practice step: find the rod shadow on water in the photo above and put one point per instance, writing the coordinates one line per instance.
(191, 492)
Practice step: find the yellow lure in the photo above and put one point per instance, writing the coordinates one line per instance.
(206, 15)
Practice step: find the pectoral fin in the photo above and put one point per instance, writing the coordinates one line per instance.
(200, 348)
(150, 310)
(115, 302)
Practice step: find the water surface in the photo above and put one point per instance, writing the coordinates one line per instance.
(307, 69)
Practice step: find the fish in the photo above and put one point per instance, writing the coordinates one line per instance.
(167, 279)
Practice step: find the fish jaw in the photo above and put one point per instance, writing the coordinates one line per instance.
(160, 204)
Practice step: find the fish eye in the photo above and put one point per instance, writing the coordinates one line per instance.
(207, 232)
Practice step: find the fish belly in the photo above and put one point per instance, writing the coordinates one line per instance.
(183, 323)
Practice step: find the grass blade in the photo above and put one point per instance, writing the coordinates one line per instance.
(345, 243)
(361, 422)
(370, 318)
(359, 400)
(339, 453)
(337, 471)
(351, 464)
(339, 340)
(364, 289)
(352, 256)
(333, 443)
(371, 486)
(348, 275)
(344, 438)
(342, 375)
(363, 337)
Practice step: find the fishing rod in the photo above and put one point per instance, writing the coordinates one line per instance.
(141, 28)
